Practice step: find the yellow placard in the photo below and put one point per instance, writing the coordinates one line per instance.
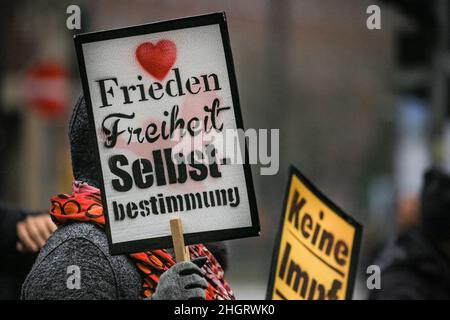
(317, 247)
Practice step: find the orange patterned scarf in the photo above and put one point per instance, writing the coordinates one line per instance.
(85, 205)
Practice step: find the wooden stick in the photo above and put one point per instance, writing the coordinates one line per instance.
(181, 251)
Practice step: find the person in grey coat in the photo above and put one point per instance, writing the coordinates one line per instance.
(81, 249)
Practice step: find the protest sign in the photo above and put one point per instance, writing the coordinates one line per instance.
(144, 87)
(317, 247)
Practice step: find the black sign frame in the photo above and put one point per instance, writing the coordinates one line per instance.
(182, 23)
(294, 172)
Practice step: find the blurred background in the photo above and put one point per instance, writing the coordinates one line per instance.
(364, 111)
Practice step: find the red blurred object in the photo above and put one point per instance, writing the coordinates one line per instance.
(47, 89)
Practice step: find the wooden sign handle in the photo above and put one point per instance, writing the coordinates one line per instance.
(181, 251)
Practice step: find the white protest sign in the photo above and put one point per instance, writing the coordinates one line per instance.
(144, 87)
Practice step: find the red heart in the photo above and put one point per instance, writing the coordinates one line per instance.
(157, 58)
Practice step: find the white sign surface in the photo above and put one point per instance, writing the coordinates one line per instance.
(159, 95)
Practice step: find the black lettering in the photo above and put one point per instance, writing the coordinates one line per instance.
(103, 91)
(295, 208)
(132, 210)
(189, 85)
(125, 181)
(201, 171)
(119, 211)
(341, 252)
(151, 90)
(284, 260)
(142, 173)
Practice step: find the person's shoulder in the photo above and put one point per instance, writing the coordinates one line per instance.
(77, 231)
(84, 245)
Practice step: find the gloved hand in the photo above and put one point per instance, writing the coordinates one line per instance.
(183, 281)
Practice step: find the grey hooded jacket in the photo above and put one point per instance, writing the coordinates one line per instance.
(81, 247)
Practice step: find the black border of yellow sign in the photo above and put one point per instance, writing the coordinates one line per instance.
(294, 172)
